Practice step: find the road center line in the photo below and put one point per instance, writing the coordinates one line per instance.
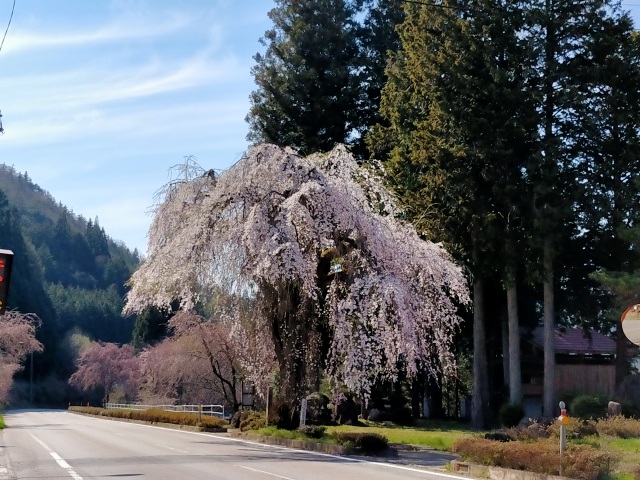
(59, 460)
(262, 471)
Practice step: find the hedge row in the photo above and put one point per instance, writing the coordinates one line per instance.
(581, 462)
(155, 415)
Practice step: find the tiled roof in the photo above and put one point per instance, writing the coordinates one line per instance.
(575, 340)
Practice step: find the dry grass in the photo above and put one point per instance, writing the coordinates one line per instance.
(619, 427)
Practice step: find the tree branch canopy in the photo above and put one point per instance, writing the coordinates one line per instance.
(385, 298)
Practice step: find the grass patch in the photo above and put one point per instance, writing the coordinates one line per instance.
(437, 435)
(2, 425)
(628, 450)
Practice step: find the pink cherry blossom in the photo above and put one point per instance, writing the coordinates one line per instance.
(337, 282)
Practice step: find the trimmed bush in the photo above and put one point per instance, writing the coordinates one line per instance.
(576, 428)
(402, 416)
(318, 411)
(252, 420)
(367, 443)
(155, 416)
(619, 427)
(510, 414)
(589, 407)
(312, 431)
(581, 462)
(283, 416)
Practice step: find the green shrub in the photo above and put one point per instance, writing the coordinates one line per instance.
(589, 406)
(367, 443)
(252, 420)
(283, 416)
(630, 409)
(402, 416)
(510, 414)
(581, 462)
(2, 425)
(312, 431)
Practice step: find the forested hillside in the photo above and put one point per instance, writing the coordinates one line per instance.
(68, 271)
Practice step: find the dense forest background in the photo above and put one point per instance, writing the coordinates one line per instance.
(70, 273)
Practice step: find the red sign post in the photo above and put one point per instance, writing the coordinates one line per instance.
(6, 261)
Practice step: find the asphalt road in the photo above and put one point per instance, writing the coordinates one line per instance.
(54, 444)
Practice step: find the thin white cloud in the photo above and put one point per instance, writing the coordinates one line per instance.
(163, 123)
(85, 88)
(119, 29)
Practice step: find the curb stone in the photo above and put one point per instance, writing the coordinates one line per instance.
(498, 473)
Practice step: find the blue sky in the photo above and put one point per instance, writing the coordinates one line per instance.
(101, 97)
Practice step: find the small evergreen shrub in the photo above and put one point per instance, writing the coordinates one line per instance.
(589, 407)
(630, 409)
(510, 414)
(367, 443)
(312, 431)
(252, 420)
(402, 416)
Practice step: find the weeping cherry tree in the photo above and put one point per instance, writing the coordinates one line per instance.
(338, 285)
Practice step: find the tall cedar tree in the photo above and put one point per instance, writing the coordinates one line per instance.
(568, 38)
(377, 38)
(610, 169)
(484, 103)
(458, 133)
(307, 96)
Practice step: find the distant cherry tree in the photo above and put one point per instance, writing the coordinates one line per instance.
(338, 284)
(107, 367)
(17, 340)
(171, 375)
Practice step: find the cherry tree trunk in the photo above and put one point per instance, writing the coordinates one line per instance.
(294, 334)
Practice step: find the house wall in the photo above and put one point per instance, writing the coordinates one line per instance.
(586, 378)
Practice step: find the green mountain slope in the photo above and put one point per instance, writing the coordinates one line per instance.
(66, 269)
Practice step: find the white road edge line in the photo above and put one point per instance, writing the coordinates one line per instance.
(59, 460)
(262, 471)
(309, 452)
(171, 448)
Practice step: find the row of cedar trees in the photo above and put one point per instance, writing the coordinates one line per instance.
(509, 129)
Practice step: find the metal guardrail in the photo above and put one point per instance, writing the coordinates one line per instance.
(212, 410)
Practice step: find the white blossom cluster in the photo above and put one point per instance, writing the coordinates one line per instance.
(273, 218)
